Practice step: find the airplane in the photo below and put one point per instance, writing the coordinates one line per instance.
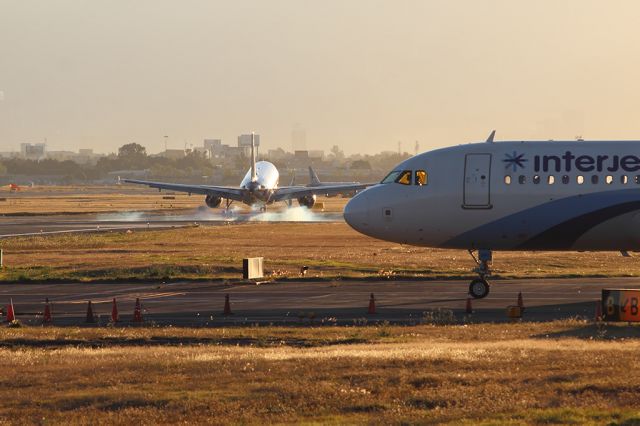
(258, 187)
(314, 181)
(513, 195)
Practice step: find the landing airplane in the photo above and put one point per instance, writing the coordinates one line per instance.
(518, 195)
(258, 187)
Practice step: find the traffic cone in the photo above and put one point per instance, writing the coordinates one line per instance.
(114, 312)
(598, 310)
(372, 305)
(11, 316)
(227, 306)
(520, 302)
(46, 317)
(468, 309)
(90, 318)
(137, 312)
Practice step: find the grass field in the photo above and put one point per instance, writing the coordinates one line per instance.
(520, 373)
(561, 372)
(74, 200)
(331, 250)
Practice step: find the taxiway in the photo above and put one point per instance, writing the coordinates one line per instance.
(341, 302)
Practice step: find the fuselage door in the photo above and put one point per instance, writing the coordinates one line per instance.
(477, 173)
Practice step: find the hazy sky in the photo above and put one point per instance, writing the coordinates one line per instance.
(361, 74)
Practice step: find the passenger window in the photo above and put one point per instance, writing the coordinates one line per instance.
(609, 179)
(421, 177)
(624, 179)
(522, 179)
(507, 180)
(391, 177)
(404, 178)
(551, 180)
(580, 179)
(536, 179)
(594, 179)
(565, 179)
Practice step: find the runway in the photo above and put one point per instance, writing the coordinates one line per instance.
(14, 226)
(290, 303)
(19, 227)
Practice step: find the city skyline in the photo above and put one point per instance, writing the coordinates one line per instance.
(362, 75)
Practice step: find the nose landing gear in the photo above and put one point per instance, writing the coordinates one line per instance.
(479, 287)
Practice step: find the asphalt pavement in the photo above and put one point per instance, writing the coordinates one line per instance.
(339, 302)
(13, 226)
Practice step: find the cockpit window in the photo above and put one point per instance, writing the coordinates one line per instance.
(404, 178)
(421, 177)
(391, 177)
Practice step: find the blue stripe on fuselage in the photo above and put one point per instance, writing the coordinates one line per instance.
(525, 229)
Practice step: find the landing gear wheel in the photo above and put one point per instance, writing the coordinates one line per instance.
(479, 288)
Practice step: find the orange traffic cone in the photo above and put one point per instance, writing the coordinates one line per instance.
(137, 312)
(46, 317)
(598, 310)
(372, 305)
(520, 302)
(11, 315)
(114, 312)
(468, 309)
(90, 318)
(227, 306)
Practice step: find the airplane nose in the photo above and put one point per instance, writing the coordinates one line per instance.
(356, 212)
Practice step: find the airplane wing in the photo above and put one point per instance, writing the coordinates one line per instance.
(216, 191)
(291, 192)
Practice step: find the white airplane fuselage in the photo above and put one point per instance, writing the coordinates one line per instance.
(572, 195)
(260, 190)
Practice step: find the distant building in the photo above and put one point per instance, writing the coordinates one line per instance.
(316, 154)
(277, 154)
(300, 159)
(301, 155)
(232, 151)
(217, 150)
(214, 146)
(244, 142)
(87, 156)
(33, 151)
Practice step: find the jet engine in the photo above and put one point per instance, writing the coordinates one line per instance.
(212, 201)
(308, 201)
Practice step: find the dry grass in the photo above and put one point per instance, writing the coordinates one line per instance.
(331, 250)
(517, 373)
(93, 203)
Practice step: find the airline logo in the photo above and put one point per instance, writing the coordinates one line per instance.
(514, 161)
(569, 162)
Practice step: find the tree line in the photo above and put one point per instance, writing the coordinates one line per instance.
(130, 157)
(134, 156)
